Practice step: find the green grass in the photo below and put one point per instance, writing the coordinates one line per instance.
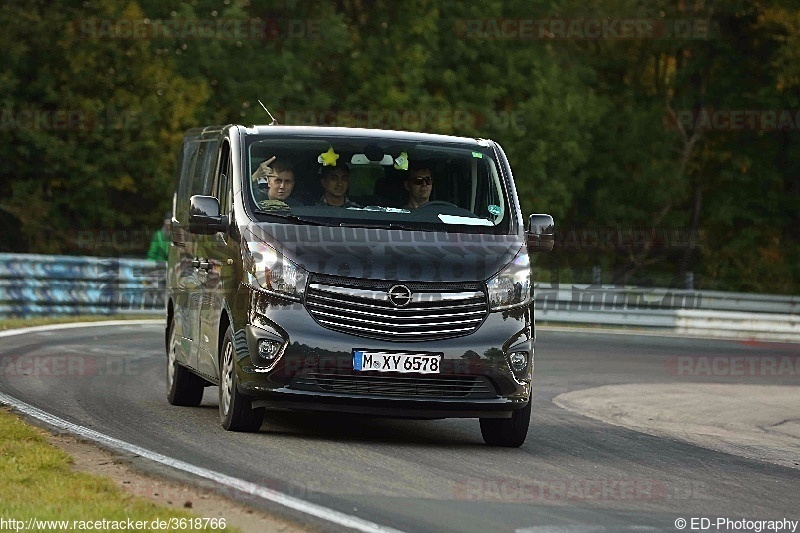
(38, 482)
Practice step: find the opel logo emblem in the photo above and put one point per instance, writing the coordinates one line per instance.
(400, 295)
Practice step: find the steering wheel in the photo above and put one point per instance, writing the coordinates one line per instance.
(437, 202)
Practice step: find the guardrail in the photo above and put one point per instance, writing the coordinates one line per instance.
(32, 285)
(709, 313)
(59, 285)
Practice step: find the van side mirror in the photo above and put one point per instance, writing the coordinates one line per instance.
(204, 217)
(540, 233)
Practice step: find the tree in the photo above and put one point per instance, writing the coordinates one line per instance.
(91, 125)
(658, 162)
(609, 134)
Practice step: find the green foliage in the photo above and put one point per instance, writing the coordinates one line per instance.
(107, 115)
(38, 482)
(596, 129)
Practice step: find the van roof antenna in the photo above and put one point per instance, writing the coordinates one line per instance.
(274, 122)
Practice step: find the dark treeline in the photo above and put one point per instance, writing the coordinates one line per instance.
(663, 135)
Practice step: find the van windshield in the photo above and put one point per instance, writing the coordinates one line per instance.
(382, 183)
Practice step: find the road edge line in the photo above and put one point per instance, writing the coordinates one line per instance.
(297, 504)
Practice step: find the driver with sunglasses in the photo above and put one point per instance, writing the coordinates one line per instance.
(418, 183)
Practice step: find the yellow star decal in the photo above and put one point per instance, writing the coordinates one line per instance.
(328, 159)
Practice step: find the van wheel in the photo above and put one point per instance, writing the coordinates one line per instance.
(508, 432)
(183, 387)
(235, 410)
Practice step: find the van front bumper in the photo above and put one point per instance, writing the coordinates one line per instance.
(314, 370)
(423, 408)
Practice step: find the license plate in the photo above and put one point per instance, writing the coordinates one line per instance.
(407, 363)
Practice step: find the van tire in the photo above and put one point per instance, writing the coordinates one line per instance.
(183, 387)
(507, 432)
(236, 412)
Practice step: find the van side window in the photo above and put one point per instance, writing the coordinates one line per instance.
(222, 181)
(189, 160)
(204, 169)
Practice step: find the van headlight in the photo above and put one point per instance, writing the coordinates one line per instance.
(512, 286)
(268, 269)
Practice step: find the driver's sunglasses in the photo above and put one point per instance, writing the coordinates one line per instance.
(420, 181)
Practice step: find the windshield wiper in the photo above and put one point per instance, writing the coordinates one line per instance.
(293, 218)
(392, 225)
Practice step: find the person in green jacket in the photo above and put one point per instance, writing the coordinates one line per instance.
(159, 243)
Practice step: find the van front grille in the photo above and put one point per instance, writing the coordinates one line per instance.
(429, 314)
(417, 386)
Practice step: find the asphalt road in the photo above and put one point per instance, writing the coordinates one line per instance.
(573, 474)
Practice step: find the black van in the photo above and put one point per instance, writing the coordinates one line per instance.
(351, 270)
